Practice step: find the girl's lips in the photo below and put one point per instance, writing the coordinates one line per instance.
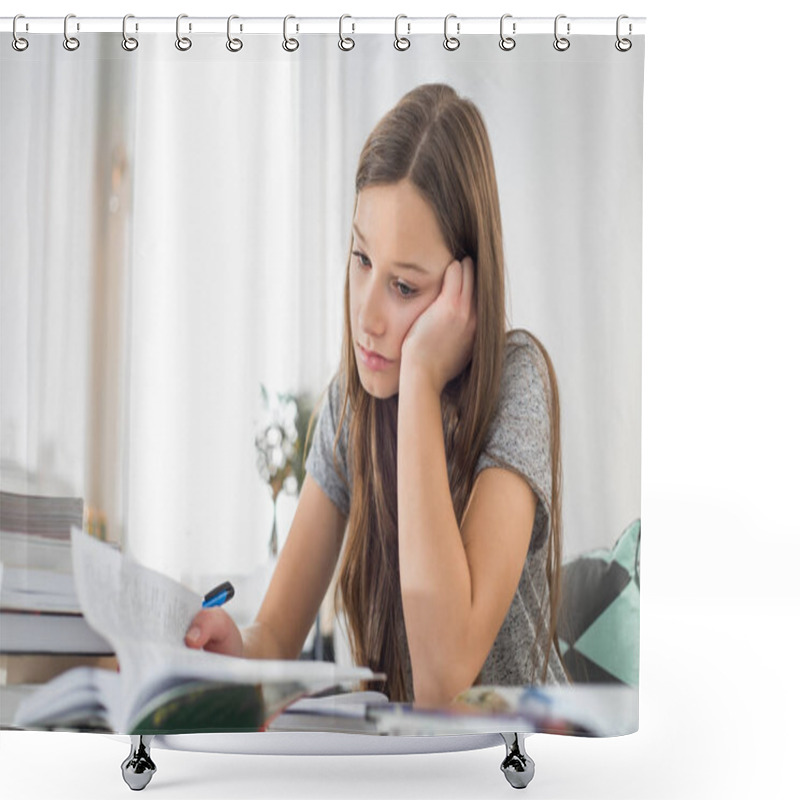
(372, 360)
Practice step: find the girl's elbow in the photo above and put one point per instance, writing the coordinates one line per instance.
(432, 697)
(433, 690)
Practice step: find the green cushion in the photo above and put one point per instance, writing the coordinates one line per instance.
(598, 626)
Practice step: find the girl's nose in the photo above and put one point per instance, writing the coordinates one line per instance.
(371, 315)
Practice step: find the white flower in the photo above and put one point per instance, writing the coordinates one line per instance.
(277, 437)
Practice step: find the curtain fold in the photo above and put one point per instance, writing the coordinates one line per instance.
(66, 217)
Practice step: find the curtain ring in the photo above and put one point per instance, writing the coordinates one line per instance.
(18, 43)
(507, 42)
(623, 45)
(561, 43)
(345, 43)
(400, 42)
(289, 45)
(233, 45)
(183, 43)
(451, 42)
(70, 42)
(129, 43)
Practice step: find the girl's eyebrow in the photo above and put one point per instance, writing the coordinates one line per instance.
(401, 264)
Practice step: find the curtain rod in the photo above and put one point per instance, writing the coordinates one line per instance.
(460, 26)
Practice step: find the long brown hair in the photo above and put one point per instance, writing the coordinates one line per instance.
(437, 141)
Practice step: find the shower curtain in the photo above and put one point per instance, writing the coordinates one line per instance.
(177, 236)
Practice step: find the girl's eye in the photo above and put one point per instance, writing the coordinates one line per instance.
(404, 289)
(362, 259)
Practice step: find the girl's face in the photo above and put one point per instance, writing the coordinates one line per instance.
(396, 271)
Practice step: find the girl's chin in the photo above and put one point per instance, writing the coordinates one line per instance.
(379, 386)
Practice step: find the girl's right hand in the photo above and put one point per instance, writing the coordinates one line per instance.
(440, 341)
(212, 629)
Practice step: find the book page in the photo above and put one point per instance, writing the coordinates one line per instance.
(166, 666)
(122, 599)
(145, 615)
(74, 694)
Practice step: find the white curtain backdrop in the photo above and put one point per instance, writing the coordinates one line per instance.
(233, 177)
(65, 164)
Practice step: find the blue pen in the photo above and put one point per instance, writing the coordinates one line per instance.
(218, 595)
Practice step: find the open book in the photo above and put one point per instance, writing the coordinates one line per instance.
(163, 686)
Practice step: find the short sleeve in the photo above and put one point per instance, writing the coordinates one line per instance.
(320, 461)
(519, 434)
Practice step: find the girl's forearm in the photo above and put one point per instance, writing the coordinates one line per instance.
(434, 572)
(260, 642)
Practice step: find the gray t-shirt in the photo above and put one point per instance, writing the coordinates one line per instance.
(518, 439)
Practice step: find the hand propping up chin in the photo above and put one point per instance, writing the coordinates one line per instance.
(438, 346)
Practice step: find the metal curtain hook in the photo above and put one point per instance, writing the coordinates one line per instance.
(182, 42)
(128, 42)
(290, 45)
(623, 45)
(561, 43)
(18, 43)
(401, 43)
(70, 42)
(345, 43)
(507, 42)
(234, 45)
(451, 42)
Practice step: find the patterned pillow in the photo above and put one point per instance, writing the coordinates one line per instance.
(598, 625)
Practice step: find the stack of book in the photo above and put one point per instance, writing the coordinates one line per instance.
(42, 629)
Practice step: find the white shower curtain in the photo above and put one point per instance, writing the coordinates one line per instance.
(178, 236)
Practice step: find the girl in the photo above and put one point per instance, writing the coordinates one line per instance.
(437, 446)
